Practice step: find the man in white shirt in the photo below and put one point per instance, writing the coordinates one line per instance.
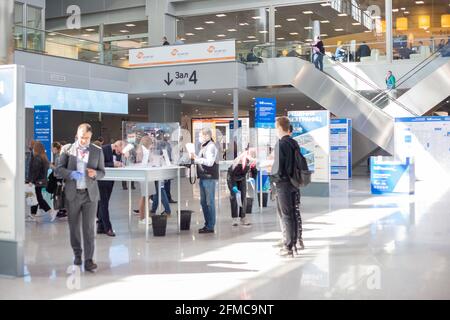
(208, 174)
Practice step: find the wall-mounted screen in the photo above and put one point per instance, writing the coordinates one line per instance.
(71, 99)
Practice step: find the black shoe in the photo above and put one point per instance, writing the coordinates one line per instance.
(90, 266)
(61, 214)
(172, 201)
(206, 230)
(100, 231)
(167, 214)
(77, 261)
(133, 187)
(110, 233)
(125, 189)
(136, 211)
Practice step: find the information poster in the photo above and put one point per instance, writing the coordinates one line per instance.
(388, 176)
(312, 132)
(43, 127)
(12, 153)
(341, 149)
(426, 141)
(265, 112)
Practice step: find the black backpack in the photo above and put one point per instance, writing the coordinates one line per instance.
(301, 176)
(52, 184)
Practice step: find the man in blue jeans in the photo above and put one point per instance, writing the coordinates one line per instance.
(208, 174)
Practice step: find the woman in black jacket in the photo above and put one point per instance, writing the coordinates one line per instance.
(37, 175)
(237, 182)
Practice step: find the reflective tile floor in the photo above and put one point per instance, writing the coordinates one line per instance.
(358, 246)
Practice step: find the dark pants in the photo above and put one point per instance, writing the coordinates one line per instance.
(41, 201)
(288, 205)
(81, 213)
(164, 199)
(167, 189)
(125, 185)
(242, 187)
(105, 188)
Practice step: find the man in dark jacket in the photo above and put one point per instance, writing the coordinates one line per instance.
(363, 51)
(288, 196)
(112, 153)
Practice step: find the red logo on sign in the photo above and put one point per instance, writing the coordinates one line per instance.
(211, 49)
(140, 55)
(174, 52)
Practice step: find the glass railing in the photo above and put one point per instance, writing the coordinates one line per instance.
(304, 51)
(65, 46)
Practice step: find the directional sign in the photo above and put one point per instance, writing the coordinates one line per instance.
(181, 78)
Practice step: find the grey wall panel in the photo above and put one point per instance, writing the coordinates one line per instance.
(56, 71)
(210, 76)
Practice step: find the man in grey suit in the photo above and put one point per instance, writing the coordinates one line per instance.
(81, 164)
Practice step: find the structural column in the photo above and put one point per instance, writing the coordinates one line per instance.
(236, 138)
(6, 31)
(160, 22)
(316, 29)
(389, 36)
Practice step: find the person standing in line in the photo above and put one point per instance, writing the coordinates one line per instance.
(81, 165)
(111, 154)
(208, 174)
(37, 176)
(288, 197)
(165, 42)
(237, 183)
(28, 157)
(318, 53)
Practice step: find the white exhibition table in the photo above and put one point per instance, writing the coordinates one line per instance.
(147, 175)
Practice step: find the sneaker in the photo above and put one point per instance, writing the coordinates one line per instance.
(142, 221)
(40, 213)
(77, 261)
(245, 222)
(279, 244)
(235, 222)
(167, 214)
(53, 214)
(285, 252)
(30, 218)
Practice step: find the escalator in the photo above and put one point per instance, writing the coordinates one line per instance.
(422, 88)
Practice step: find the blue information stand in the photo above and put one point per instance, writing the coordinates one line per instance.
(43, 127)
(388, 176)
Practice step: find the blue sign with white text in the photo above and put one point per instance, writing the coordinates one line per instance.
(391, 176)
(43, 127)
(265, 112)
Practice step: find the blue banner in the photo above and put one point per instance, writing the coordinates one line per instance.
(232, 124)
(265, 112)
(43, 127)
(391, 176)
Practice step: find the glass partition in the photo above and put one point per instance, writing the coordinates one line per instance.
(151, 144)
(248, 28)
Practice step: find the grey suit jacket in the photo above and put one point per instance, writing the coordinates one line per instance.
(68, 163)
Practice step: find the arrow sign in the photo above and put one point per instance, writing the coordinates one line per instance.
(168, 81)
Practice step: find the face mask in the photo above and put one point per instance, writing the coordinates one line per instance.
(131, 140)
(201, 139)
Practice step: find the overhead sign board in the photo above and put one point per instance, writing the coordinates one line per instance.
(183, 54)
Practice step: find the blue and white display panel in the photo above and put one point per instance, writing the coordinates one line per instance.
(71, 99)
(312, 132)
(341, 149)
(265, 112)
(426, 140)
(389, 176)
(43, 127)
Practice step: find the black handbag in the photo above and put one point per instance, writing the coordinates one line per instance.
(58, 197)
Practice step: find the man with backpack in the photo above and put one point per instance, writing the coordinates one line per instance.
(286, 176)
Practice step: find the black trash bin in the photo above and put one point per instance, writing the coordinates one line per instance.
(159, 225)
(185, 219)
(249, 207)
(265, 198)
